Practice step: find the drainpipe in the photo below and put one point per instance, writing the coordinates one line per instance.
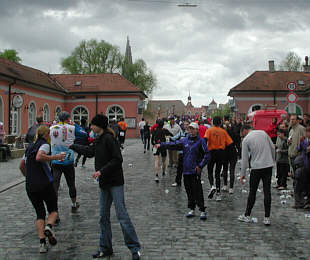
(96, 104)
(9, 106)
(274, 98)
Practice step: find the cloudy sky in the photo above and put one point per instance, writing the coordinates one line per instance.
(207, 49)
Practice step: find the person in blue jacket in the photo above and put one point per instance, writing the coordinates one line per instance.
(196, 156)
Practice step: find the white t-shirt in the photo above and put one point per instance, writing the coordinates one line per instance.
(142, 124)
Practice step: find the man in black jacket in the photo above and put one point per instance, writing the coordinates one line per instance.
(109, 172)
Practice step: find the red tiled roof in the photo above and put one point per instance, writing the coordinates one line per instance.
(271, 81)
(26, 74)
(96, 83)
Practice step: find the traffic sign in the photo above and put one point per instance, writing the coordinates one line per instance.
(291, 97)
(291, 86)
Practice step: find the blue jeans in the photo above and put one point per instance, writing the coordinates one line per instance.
(115, 194)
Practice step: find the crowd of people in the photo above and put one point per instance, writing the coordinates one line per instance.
(190, 145)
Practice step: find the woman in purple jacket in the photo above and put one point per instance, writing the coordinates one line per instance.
(196, 156)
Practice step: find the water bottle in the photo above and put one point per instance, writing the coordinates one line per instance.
(96, 180)
(253, 220)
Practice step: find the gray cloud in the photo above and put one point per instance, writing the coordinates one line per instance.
(207, 49)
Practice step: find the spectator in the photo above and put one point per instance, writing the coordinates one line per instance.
(272, 130)
(283, 166)
(122, 134)
(81, 139)
(174, 129)
(32, 130)
(6, 152)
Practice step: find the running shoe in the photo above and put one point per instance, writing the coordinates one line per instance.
(266, 221)
(190, 214)
(48, 232)
(212, 192)
(156, 179)
(244, 218)
(43, 248)
(100, 254)
(231, 191)
(224, 188)
(175, 184)
(163, 174)
(203, 215)
(136, 256)
(75, 209)
(218, 196)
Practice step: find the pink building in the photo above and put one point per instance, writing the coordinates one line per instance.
(270, 88)
(33, 93)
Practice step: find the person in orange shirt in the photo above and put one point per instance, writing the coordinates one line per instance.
(122, 133)
(217, 139)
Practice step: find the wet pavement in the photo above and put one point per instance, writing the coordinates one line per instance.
(157, 211)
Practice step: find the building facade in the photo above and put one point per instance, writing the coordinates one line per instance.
(270, 88)
(26, 93)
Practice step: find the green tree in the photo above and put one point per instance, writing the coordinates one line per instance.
(93, 57)
(140, 75)
(292, 62)
(10, 54)
(222, 112)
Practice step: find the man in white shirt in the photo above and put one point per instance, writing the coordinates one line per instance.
(258, 149)
(141, 127)
(174, 129)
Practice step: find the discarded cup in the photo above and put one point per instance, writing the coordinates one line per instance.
(130, 164)
(254, 220)
(259, 190)
(244, 191)
(167, 191)
(283, 202)
(307, 215)
(202, 182)
(282, 197)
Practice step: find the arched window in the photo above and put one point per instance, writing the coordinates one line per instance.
(57, 111)
(31, 114)
(78, 113)
(46, 113)
(115, 112)
(15, 121)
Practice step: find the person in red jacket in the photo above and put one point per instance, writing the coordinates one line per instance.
(272, 130)
(202, 129)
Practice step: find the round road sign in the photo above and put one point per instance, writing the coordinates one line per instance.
(291, 86)
(291, 97)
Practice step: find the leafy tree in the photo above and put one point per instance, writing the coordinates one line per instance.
(222, 112)
(292, 62)
(10, 54)
(93, 57)
(140, 75)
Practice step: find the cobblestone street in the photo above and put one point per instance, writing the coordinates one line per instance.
(157, 211)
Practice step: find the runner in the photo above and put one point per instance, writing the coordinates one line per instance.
(81, 139)
(257, 148)
(147, 136)
(62, 136)
(109, 172)
(141, 128)
(39, 185)
(122, 134)
(217, 139)
(196, 156)
(159, 136)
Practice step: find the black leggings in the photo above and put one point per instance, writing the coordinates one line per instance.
(217, 159)
(147, 142)
(193, 187)
(255, 177)
(178, 177)
(48, 195)
(231, 161)
(78, 158)
(69, 172)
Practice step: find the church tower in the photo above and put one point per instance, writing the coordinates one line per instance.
(128, 56)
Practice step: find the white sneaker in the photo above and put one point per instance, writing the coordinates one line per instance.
(224, 188)
(190, 214)
(43, 248)
(156, 179)
(212, 192)
(244, 218)
(175, 185)
(266, 221)
(218, 197)
(231, 191)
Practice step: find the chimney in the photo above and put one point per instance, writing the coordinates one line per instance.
(271, 66)
(306, 66)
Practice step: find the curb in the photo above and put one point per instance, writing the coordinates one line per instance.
(12, 184)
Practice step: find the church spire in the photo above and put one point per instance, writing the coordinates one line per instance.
(128, 55)
(189, 96)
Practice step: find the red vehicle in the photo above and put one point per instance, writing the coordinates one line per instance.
(262, 119)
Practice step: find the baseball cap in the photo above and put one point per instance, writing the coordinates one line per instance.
(194, 125)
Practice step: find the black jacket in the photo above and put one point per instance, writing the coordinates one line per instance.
(108, 159)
